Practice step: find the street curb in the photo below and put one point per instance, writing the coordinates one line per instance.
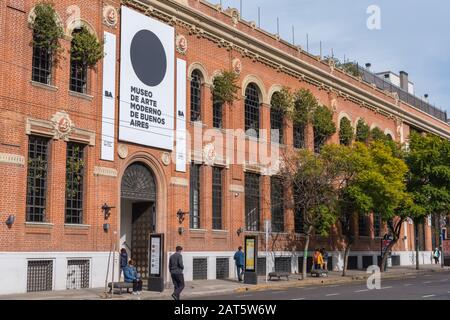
(325, 281)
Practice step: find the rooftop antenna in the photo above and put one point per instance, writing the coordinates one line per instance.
(320, 50)
(293, 35)
(259, 17)
(307, 42)
(240, 5)
(332, 53)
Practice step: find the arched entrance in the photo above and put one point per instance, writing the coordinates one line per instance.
(138, 213)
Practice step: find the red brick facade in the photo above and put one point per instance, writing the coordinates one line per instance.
(21, 99)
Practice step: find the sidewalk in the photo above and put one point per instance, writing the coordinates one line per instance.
(207, 288)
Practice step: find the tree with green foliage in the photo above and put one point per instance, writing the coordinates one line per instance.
(349, 67)
(311, 178)
(428, 161)
(225, 88)
(324, 126)
(47, 32)
(362, 131)
(345, 132)
(377, 135)
(86, 50)
(304, 104)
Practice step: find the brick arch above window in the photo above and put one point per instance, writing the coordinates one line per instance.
(345, 115)
(201, 68)
(32, 16)
(274, 89)
(389, 132)
(76, 24)
(263, 98)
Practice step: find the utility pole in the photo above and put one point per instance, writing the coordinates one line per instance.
(307, 42)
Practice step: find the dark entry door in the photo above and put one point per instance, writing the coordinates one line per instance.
(142, 226)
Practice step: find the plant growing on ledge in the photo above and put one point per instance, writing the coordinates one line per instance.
(86, 50)
(225, 88)
(345, 132)
(362, 131)
(46, 30)
(324, 127)
(283, 100)
(303, 107)
(349, 67)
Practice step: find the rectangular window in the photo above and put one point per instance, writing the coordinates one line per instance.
(40, 275)
(252, 200)
(362, 226)
(74, 183)
(77, 274)
(217, 114)
(78, 77)
(37, 178)
(277, 204)
(377, 224)
(299, 219)
(42, 65)
(299, 136)
(217, 198)
(195, 196)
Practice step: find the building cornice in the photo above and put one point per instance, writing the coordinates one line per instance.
(231, 38)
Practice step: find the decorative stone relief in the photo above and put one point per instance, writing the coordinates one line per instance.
(237, 66)
(62, 125)
(181, 44)
(110, 16)
(209, 154)
(235, 17)
(106, 172)
(165, 158)
(122, 151)
(13, 159)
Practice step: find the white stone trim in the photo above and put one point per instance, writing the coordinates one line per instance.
(236, 188)
(14, 159)
(175, 181)
(106, 172)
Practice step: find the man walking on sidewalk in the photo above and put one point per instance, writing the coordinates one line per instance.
(176, 268)
(239, 259)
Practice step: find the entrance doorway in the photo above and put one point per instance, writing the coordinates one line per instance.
(138, 214)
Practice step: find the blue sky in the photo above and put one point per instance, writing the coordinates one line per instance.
(414, 35)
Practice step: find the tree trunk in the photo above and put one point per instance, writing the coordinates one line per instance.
(386, 254)
(346, 254)
(416, 229)
(305, 253)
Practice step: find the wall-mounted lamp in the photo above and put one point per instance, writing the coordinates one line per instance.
(180, 230)
(236, 194)
(106, 227)
(239, 231)
(10, 221)
(180, 215)
(106, 210)
(404, 238)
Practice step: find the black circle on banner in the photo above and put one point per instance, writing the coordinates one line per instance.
(148, 58)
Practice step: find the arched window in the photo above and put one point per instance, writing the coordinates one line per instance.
(42, 62)
(389, 137)
(252, 110)
(78, 70)
(196, 95)
(276, 119)
(217, 110)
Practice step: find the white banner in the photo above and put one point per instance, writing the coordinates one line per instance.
(147, 81)
(181, 115)
(109, 96)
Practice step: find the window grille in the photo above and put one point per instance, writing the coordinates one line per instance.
(195, 196)
(309, 263)
(352, 263)
(283, 264)
(217, 198)
(277, 204)
(362, 226)
(196, 95)
(261, 266)
(78, 74)
(377, 224)
(200, 269)
(252, 201)
(299, 136)
(367, 261)
(252, 110)
(217, 113)
(276, 122)
(222, 268)
(74, 183)
(37, 178)
(78, 274)
(42, 65)
(40, 275)
(299, 219)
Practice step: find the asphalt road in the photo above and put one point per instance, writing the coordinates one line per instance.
(429, 286)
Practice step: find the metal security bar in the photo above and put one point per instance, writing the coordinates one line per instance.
(222, 268)
(200, 269)
(299, 136)
(196, 95)
(78, 77)
(377, 224)
(74, 183)
(195, 196)
(276, 121)
(217, 198)
(42, 65)
(277, 204)
(40, 275)
(252, 201)
(78, 274)
(283, 264)
(37, 178)
(252, 110)
(261, 266)
(362, 226)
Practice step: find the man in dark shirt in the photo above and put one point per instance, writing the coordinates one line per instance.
(176, 268)
(239, 259)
